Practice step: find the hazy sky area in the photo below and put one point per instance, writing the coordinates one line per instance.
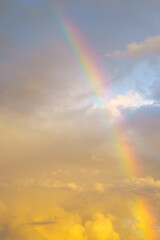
(79, 119)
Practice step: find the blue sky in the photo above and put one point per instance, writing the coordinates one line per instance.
(108, 26)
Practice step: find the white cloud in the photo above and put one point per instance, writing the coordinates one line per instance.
(151, 45)
(130, 100)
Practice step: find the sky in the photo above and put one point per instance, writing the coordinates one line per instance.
(79, 120)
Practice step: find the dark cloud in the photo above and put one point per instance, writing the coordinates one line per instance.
(42, 223)
(155, 90)
(34, 81)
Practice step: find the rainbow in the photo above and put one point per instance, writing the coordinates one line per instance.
(83, 55)
(93, 73)
(145, 220)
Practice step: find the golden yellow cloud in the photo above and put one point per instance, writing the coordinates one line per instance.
(100, 228)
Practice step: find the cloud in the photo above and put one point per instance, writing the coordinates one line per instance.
(70, 227)
(138, 185)
(70, 186)
(41, 223)
(100, 187)
(151, 45)
(26, 221)
(155, 90)
(100, 228)
(33, 212)
(130, 100)
(46, 183)
(61, 171)
(40, 226)
(33, 82)
(147, 183)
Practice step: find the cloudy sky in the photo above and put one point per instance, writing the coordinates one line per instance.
(79, 120)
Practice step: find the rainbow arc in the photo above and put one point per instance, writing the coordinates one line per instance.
(93, 72)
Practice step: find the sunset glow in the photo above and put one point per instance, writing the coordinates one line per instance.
(79, 120)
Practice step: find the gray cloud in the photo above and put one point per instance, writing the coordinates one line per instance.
(140, 186)
(41, 223)
(35, 81)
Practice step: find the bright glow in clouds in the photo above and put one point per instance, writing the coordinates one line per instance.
(130, 100)
(101, 228)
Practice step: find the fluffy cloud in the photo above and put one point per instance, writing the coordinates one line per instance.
(151, 45)
(148, 182)
(100, 228)
(20, 224)
(46, 183)
(25, 221)
(58, 185)
(33, 211)
(130, 100)
(141, 185)
(68, 227)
